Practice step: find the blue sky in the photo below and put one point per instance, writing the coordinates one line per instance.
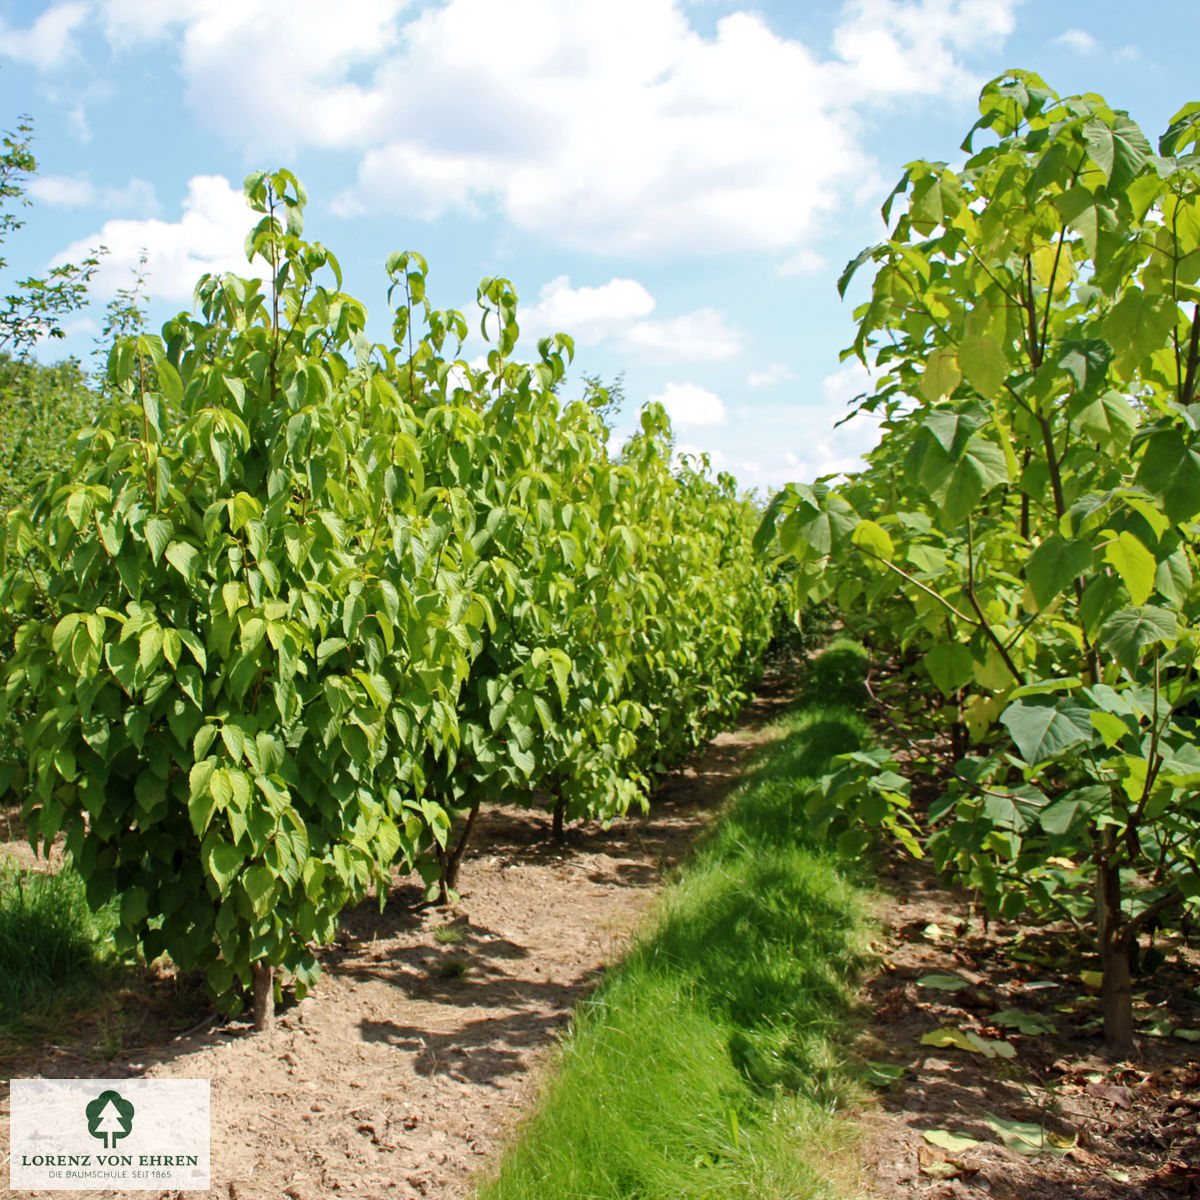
(675, 183)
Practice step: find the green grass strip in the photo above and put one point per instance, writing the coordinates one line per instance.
(52, 946)
(711, 1061)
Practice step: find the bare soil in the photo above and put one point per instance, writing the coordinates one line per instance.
(1095, 1129)
(405, 1069)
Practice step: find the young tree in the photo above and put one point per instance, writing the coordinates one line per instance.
(1027, 527)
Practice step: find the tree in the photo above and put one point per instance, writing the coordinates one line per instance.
(37, 308)
(1026, 529)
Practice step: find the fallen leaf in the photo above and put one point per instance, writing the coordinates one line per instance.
(1023, 1022)
(883, 1075)
(1178, 1177)
(1187, 1035)
(955, 1143)
(942, 983)
(934, 932)
(1092, 979)
(971, 1042)
(937, 1167)
(1024, 1137)
(1111, 1092)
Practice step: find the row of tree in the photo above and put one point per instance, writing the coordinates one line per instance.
(302, 604)
(1024, 538)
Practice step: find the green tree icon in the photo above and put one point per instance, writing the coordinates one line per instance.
(109, 1116)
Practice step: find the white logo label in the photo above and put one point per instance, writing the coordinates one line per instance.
(118, 1134)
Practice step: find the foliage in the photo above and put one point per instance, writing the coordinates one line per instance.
(38, 306)
(41, 408)
(302, 602)
(606, 398)
(1025, 531)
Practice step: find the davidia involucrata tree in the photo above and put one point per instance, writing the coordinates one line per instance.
(304, 602)
(1025, 533)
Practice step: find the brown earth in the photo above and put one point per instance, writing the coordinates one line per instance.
(1093, 1129)
(404, 1070)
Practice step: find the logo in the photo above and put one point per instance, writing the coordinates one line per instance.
(109, 1117)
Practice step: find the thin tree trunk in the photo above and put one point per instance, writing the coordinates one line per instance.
(264, 997)
(1116, 989)
(558, 830)
(451, 859)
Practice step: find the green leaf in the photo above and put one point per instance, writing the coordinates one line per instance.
(953, 1143)
(950, 666)
(1055, 565)
(942, 983)
(874, 539)
(1141, 323)
(1032, 1024)
(1134, 563)
(1042, 731)
(1120, 150)
(185, 559)
(1127, 632)
(259, 885)
(158, 534)
(941, 375)
(957, 483)
(1170, 471)
(1024, 1137)
(1109, 420)
(984, 364)
(223, 861)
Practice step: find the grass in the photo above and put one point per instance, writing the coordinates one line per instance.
(51, 943)
(712, 1061)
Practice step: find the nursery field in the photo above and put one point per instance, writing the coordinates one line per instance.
(403, 1072)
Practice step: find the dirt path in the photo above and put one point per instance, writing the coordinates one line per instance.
(401, 1074)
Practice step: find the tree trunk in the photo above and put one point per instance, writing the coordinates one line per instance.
(451, 859)
(1116, 990)
(1116, 998)
(560, 811)
(264, 997)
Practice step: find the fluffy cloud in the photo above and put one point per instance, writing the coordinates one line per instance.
(830, 448)
(208, 236)
(616, 312)
(49, 42)
(892, 49)
(608, 125)
(775, 373)
(688, 405)
(700, 336)
(77, 191)
(588, 314)
(1078, 40)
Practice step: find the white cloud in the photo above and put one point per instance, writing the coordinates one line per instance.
(891, 48)
(802, 262)
(700, 336)
(49, 41)
(1078, 40)
(688, 404)
(616, 312)
(775, 373)
(208, 237)
(78, 191)
(608, 125)
(827, 447)
(588, 314)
